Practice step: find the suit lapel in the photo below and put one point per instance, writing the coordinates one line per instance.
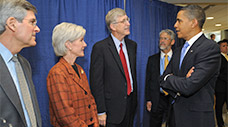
(115, 54)
(32, 90)
(80, 81)
(131, 55)
(191, 51)
(7, 84)
(157, 65)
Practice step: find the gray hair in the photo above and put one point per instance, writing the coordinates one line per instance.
(65, 32)
(169, 32)
(195, 11)
(14, 8)
(112, 16)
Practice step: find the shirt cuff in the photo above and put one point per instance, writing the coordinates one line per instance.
(101, 113)
(167, 76)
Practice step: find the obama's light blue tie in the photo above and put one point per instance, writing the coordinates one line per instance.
(183, 50)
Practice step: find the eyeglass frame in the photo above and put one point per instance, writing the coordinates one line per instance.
(164, 38)
(123, 21)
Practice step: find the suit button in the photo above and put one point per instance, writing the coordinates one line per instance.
(89, 106)
(125, 97)
(91, 119)
(85, 93)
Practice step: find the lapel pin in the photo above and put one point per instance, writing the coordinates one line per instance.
(191, 51)
(82, 72)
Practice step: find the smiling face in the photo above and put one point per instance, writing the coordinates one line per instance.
(26, 30)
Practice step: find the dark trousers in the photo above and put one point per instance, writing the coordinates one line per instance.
(220, 100)
(171, 120)
(128, 118)
(157, 117)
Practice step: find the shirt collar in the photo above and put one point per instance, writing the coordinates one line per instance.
(170, 53)
(223, 54)
(5, 53)
(117, 42)
(194, 38)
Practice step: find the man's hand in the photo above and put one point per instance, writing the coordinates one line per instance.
(148, 105)
(190, 72)
(102, 119)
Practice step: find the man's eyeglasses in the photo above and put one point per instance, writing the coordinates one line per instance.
(164, 38)
(33, 22)
(123, 21)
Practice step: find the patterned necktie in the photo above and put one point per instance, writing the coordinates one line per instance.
(166, 61)
(124, 63)
(25, 92)
(183, 50)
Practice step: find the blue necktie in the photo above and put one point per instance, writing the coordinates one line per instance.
(183, 50)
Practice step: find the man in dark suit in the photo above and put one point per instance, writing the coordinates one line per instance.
(18, 103)
(221, 84)
(156, 100)
(191, 74)
(113, 73)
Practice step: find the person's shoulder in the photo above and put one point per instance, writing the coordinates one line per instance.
(130, 41)
(57, 68)
(102, 43)
(223, 58)
(78, 66)
(206, 45)
(154, 56)
(211, 43)
(23, 59)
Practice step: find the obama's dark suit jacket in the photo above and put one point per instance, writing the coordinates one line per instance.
(194, 106)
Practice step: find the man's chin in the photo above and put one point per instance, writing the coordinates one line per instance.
(33, 44)
(162, 48)
(179, 35)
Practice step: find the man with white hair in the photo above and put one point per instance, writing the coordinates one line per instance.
(113, 73)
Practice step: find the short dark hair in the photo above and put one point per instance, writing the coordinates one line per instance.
(212, 35)
(223, 41)
(195, 11)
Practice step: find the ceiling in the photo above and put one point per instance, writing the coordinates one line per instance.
(215, 8)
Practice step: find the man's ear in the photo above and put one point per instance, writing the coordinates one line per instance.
(172, 42)
(11, 23)
(194, 23)
(112, 27)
